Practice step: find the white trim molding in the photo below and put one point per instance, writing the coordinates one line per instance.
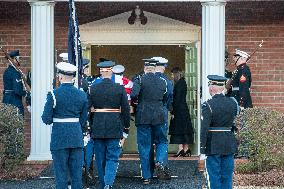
(158, 30)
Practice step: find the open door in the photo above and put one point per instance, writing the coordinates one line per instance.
(192, 75)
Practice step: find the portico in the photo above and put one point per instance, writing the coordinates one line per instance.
(42, 29)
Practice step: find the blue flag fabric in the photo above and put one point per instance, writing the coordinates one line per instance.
(74, 42)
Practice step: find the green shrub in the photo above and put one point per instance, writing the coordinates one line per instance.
(11, 137)
(262, 139)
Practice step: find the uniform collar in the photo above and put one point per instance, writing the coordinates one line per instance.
(107, 80)
(242, 65)
(67, 84)
(218, 95)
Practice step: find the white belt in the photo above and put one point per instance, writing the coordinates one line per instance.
(235, 88)
(222, 130)
(65, 120)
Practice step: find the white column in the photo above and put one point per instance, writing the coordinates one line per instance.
(213, 41)
(42, 57)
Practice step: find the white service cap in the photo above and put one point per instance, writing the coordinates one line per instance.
(118, 69)
(161, 61)
(241, 53)
(66, 68)
(64, 56)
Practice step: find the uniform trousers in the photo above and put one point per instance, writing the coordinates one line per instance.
(107, 153)
(165, 129)
(220, 171)
(147, 135)
(89, 154)
(67, 162)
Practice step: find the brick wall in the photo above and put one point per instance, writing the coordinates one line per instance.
(246, 26)
(247, 23)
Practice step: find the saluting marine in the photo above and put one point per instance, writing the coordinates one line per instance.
(217, 139)
(241, 80)
(67, 108)
(151, 92)
(14, 89)
(111, 122)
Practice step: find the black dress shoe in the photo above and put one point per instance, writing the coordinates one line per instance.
(179, 154)
(107, 187)
(146, 181)
(187, 153)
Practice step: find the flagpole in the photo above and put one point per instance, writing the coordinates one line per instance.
(76, 42)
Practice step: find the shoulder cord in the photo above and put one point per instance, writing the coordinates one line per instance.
(166, 85)
(54, 99)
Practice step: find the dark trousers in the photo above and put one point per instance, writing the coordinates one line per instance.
(107, 153)
(220, 171)
(67, 162)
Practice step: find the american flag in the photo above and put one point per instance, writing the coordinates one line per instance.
(74, 42)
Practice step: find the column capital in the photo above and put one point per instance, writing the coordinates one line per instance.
(213, 2)
(41, 2)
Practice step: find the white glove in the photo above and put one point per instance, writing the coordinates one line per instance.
(86, 139)
(242, 108)
(29, 109)
(202, 157)
(125, 135)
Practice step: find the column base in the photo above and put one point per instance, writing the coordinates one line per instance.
(39, 157)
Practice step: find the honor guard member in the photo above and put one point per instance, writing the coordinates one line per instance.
(119, 78)
(90, 142)
(87, 79)
(14, 89)
(160, 72)
(99, 78)
(118, 71)
(111, 121)
(217, 139)
(151, 92)
(241, 80)
(66, 107)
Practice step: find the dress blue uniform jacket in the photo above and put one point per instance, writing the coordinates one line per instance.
(218, 113)
(109, 95)
(170, 89)
(151, 92)
(13, 88)
(242, 80)
(70, 103)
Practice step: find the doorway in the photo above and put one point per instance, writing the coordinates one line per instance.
(113, 38)
(130, 56)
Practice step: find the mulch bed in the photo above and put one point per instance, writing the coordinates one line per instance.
(270, 178)
(25, 171)
(274, 177)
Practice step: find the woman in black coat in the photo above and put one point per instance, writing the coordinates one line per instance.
(181, 130)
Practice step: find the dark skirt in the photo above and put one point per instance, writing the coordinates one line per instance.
(181, 139)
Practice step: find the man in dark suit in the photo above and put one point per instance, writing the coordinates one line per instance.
(111, 122)
(14, 89)
(67, 108)
(151, 92)
(217, 139)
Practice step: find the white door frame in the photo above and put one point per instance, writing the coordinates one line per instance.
(159, 30)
